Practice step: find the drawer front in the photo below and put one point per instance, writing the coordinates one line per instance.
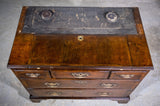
(128, 75)
(79, 83)
(80, 92)
(32, 74)
(79, 74)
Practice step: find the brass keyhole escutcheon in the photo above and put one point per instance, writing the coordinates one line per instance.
(80, 38)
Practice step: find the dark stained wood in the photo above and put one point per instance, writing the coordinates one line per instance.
(69, 83)
(110, 65)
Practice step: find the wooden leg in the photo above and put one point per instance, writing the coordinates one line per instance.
(123, 101)
(36, 100)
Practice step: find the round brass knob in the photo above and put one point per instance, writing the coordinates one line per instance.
(111, 16)
(46, 14)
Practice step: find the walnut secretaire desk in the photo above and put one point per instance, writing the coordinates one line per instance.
(80, 52)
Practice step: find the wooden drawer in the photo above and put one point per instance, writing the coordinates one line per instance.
(79, 74)
(80, 92)
(61, 83)
(35, 74)
(128, 75)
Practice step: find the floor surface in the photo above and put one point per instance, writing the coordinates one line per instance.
(12, 92)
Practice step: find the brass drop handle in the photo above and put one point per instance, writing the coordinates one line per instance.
(51, 84)
(127, 76)
(109, 85)
(104, 93)
(80, 75)
(32, 75)
(54, 93)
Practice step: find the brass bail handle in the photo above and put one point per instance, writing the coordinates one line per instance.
(109, 85)
(80, 75)
(127, 76)
(32, 75)
(52, 84)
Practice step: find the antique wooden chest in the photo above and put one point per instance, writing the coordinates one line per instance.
(80, 52)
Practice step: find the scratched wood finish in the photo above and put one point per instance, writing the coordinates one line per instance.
(61, 50)
(79, 20)
(36, 59)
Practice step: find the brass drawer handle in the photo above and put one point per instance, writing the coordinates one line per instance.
(104, 93)
(51, 84)
(54, 93)
(80, 75)
(32, 75)
(81, 82)
(109, 85)
(127, 76)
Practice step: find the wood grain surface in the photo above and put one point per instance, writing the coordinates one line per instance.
(108, 51)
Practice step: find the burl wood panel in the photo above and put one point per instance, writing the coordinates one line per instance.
(93, 50)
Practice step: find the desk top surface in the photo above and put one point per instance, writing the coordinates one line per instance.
(79, 20)
(128, 51)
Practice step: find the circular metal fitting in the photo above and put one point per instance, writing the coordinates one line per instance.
(112, 16)
(80, 38)
(46, 14)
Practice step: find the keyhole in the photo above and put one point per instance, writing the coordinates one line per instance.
(80, 38)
